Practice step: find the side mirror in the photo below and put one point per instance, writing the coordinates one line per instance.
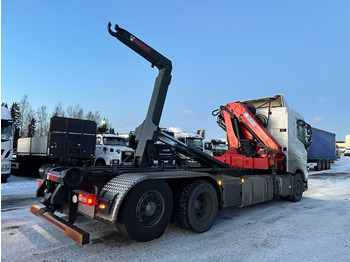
(308, 135)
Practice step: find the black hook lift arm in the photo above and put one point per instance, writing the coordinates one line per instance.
(146, 133)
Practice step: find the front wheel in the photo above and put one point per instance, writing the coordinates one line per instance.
(146, 211)
(100, 162)
(298, 188)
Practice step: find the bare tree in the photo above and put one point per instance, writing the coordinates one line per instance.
(75, 112)
(94, 116)
(23, 107)
(42, 121)
(28, 121)
(70, 111)
(32, 122)
(58, 111)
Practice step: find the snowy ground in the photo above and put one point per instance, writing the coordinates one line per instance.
(315, 229)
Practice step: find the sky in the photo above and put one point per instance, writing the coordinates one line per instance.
(221, 51)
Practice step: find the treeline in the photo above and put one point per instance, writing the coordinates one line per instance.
(29, 122)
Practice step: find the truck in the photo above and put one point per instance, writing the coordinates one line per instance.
(265, 160)
(188, 137)
(70, 142)
(6, 143)
(111, 150)
(215, 147)
(191, 139)
(322, 151)
(164, 154)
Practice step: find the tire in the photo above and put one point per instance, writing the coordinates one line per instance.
(100, 163)
(328, 164)
(319, 165)
(146, 211)
(44, 168)
(298, 188)
(323, 164)
(197, 206)
(3, 179)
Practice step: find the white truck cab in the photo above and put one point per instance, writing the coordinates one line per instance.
(188, 137)
(215, 147)
(6, 143)
(288, 128)
(112, 150)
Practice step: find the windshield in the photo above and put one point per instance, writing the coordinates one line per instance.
(219, 145)
(195, 142)
(6, 130)
(114, 141)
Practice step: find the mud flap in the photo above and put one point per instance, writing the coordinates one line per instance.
(71, 231)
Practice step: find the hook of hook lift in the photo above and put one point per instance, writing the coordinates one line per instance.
(116, 28)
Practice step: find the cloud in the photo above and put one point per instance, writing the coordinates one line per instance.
(322, 101)
(317, 119)
(188, 112)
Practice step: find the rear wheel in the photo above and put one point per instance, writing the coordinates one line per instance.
(298, 188)
(318, 167)
(146, 211)
(197, 206)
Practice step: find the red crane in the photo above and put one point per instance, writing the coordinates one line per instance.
(250, 145)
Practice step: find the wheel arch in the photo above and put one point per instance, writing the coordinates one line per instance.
(100, 159)
(304, 176)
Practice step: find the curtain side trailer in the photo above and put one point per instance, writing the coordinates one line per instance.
(322, 152)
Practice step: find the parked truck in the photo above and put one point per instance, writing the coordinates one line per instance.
(261, 163)
(215, 147)
(6, 143)
(69, 142)
(72, 142)
(188, 137)
(111, 150)
(322, 151)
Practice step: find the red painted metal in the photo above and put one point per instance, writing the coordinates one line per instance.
(269, 152)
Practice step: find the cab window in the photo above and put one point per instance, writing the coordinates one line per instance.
(301, 131)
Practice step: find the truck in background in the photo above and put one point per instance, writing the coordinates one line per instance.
(347, 151)
(215, 147)
(188, 137)
(70, 142)
(191, 139)
(265, 160)
(111, 150)
(322, 151)
(6, 143)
